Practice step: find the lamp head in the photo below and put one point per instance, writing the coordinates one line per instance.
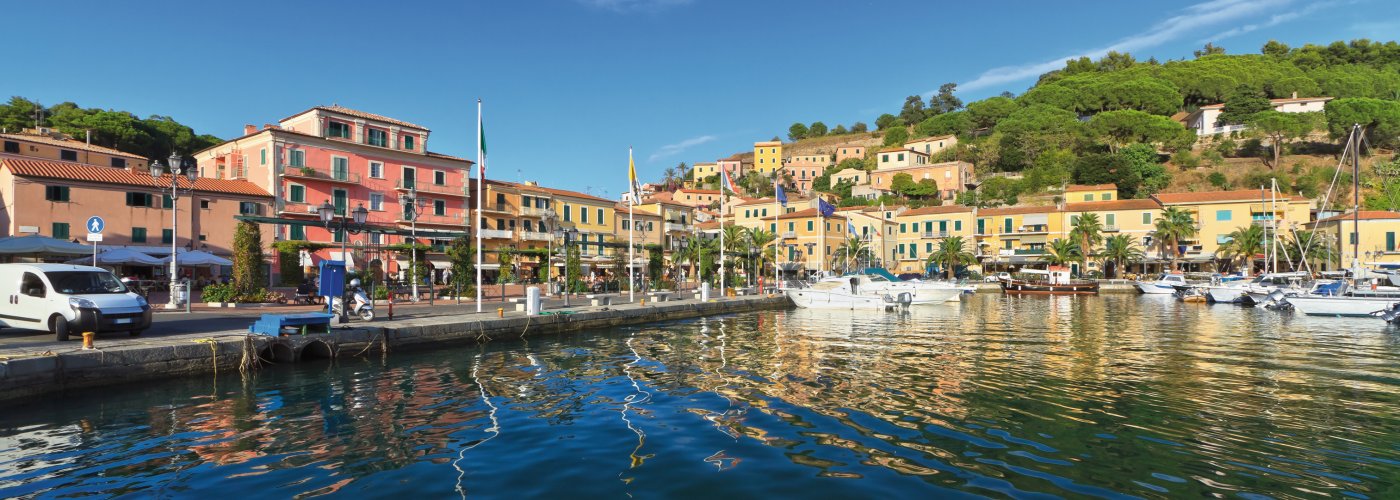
(360, 214)
(176, 162)
(327, 212)
(157, 169)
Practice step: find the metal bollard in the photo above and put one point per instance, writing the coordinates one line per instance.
(704, 292)
(500, 312)
(532, 301)
(87, 340)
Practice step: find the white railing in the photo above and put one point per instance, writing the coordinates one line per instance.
(789, 234)
(934, 234)
(504, 234)
(677, 226)
(1110, 229)
(534, 212)
(534, 236)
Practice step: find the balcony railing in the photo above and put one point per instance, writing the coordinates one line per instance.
(501, 234)
(428, 187)
(318, 174)
(292, 207)
(787, 235)
(497, 207)
(1008, 252)
(453, 219)
(678, 227)
(534, 236)
(1110, 229)
(535, 212)
(1033, 228)
(934, 234)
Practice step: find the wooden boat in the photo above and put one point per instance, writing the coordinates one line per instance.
(1056, 282)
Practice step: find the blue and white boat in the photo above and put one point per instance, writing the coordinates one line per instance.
(1165, 284)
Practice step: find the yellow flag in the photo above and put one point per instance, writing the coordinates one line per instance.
(632, 176)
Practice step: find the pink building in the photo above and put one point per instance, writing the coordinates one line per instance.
(844, 153)
(348, 158)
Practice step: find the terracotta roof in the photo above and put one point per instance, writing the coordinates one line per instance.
(109, 175)
(359, 114)
(760, 201)
(1365, 215)
(805, 213)
(1016, 210)
(928, 139)
(707, 225)
(1220, 196)
(1092, 206)
(768, 143)
(1275, 101)
(945, 209)
(699, 191)
(1076, 188)
(896, 150)
(661, 197)
(448, 157)
(429, 154)
(561, 192)
(71, 144)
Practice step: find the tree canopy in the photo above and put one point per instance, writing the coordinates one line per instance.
(153, 137)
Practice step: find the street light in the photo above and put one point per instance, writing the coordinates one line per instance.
(347, 227)
(548, 220)
(412, 207)
(567, 234)
(177, 169)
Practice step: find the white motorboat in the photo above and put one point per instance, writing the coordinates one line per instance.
(1260, 291)
(847, 293)
(1165, 284)
(1334, 298)
(923, 292)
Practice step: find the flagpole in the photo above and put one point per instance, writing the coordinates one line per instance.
(480, 179)
(821, 241)
(722, 199)
(777, 280)
(631, 226)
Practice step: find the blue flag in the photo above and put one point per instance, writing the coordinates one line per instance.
(851, 226)
(825, 208)
(782, 197)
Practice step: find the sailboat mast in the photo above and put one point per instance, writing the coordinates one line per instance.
(1273, 218)
(1356, 196)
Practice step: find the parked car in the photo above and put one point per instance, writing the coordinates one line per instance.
(993, 278)
(66, 299)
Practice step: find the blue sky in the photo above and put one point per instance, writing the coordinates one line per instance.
(570, 84)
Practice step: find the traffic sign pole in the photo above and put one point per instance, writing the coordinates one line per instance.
(95, 225)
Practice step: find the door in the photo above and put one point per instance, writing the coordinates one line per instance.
(30, 309)
(410, 177)
(340, 200)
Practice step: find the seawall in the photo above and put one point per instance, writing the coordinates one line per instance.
(185, 355)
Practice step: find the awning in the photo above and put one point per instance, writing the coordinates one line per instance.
(440, 262)
(348, 257)
(1035, 219)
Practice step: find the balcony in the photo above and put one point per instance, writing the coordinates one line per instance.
(678, 227)
(497, 234)
(536, 212)
(498, 207)
(933, 234)
(1110, 229)
(320, 175)
(427, 187)
(292, 207)
(1033, 229)
(535, 236)
(788, 235)
(1008, 252)
(443, 220)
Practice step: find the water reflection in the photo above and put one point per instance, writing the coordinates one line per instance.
(1000, 396)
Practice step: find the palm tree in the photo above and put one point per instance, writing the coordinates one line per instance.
(1321, 247)
(1245, 243)
(1119, 249)
(1088, 231)
(851, 251)
(1174, 226)
(1061, 252)
(951, 253)
(762, 239)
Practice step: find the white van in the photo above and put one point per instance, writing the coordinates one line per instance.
(66, 299)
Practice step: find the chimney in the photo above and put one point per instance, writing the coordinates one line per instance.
(1295, 94)
(269, 126)
(89, 136)
(249, 129)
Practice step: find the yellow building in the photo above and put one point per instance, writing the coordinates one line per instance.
(49, 144)
(1078, 193)
(759, 212)
(921, 229)
(1135, 218)
(876, 228)
(801, 234)
(1375, 242)
(767, 157)
(1015, 235)
(701, 171)
(1218, 213)
(593, 219)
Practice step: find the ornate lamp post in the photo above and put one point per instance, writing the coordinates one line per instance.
(412, 207)
(548, 221)
(177, 169)
(347, 227)
(567, 234)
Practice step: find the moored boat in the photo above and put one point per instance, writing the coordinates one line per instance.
(1165, 284)
(1056, 282)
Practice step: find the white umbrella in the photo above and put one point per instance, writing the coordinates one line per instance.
(36, 244)
(117, 256)
(199, 258)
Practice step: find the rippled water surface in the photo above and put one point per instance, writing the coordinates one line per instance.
(1119, 396)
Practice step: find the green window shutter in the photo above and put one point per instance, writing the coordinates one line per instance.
(902, 229)
(957, 225)
(298, 232)
(809, 225)
(60, 230)
(1110, 220)
(262, 157)
(1390, 241)
(167, 236)
(166, 202)
(138, 235)
(901, 249)
(1147, 217)
(297, 193)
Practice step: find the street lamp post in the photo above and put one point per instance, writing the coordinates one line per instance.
(413, 206)
(570, 233)
(177, 169)
(548, 221)
(347, 227)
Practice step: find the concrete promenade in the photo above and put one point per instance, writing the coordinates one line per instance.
(43, 366)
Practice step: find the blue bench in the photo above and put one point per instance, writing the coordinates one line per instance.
(272, 324)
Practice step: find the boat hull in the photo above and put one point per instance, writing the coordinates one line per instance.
(820, 299)
(1226, 294)
(1340, 306)
(1155, 289)
(1016, 287)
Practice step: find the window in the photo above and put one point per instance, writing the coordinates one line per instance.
(1106, 196)
(901, 249)
(568, 216)
(204, 204)
(884, 157)
(167, 236)
(981, 226)
(791, 226)
(376, 201)
(338, 129)
(297, 233)
(903, 229)
(68, 155)
(166, 202)
(296, 193)
(1110, 220)
(809, 225)
(928, 247)
(1006, 225)
(298, 158)
(60, 230)
(138, 235)
(139, 200)
(1147, 217)
(337, 235)
(56, 193)
(625, 225)
(376, 238)
(439, 207)
(32, 286)
(957, 225)
(900, 157)
(440, 178)
(1351, 239)
(410, 177)
(340, 168)
(600, 216)
(376, 170)
(262, 156)
(747, 214)
(765, 212)
(1073, 219)
(530, 226)
(1222, 215)
(1390, 241)
(119, 162)
(583, 214)
(248, 208)
(378, 138)
(1089, 197)
(408, 142)
(11, 147)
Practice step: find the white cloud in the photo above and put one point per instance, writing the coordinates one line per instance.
(1275, 20)
(679, 147)
(626, 6)
(1191, 19)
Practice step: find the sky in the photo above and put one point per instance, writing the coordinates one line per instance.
(569, 85)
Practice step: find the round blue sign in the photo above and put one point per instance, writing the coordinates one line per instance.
(95, 224)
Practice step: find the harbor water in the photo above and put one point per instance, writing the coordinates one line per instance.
(1113, 396)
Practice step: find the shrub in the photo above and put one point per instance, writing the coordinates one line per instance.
(220, 293)
(1218, 180)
